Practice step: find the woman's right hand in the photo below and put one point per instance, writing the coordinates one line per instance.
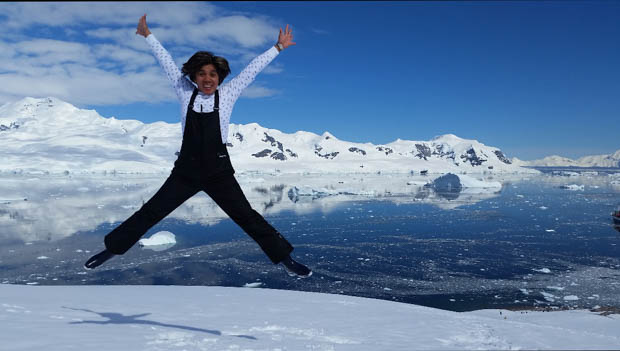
(143, 29)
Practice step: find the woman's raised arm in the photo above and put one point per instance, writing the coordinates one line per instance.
(249, 73)
(181, 85)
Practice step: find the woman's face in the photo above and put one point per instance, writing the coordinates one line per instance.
(207, 79)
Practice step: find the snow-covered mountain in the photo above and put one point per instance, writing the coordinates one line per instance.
(611, 160)
(54, 136)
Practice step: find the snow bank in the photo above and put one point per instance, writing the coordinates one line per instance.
(59, 318)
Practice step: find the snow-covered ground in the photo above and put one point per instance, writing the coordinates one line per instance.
(218, 318)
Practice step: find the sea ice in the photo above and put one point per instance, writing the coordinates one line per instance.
(159, 241)
(549, 297)
(543, 270)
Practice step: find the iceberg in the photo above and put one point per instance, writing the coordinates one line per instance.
(159, 241)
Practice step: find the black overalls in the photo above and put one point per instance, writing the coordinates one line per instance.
(203, 164)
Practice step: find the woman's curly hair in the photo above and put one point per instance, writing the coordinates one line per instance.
(201, 58)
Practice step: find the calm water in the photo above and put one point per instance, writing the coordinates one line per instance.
(532, 244)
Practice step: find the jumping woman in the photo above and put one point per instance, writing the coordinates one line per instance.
(203, 163)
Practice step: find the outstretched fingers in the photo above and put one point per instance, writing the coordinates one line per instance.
(143, 28)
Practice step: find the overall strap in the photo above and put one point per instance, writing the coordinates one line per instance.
(191, 101)
(216, 104)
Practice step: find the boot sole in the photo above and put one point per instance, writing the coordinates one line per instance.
(291, 274)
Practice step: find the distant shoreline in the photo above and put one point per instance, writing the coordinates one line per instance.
(549, 169)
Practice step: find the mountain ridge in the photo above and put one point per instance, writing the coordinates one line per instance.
(606, 161)
(50, 135)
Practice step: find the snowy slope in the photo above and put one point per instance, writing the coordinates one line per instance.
(51, 135)
(60, 318)
(611, 160)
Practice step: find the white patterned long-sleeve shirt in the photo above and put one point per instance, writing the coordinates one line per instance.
(229, 91)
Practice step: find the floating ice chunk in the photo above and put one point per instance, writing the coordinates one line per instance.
(521, 196)
(543, 207)
(42, 258)
(550, 230)
(159, 241)
(559, 288)
(549, 297)
(543, 270)
(253, 285)
(571, 298)
(295, 192)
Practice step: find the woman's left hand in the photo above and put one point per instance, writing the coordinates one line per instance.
(286, 38)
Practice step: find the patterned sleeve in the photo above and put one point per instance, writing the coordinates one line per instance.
(181, 85)
(236, 85)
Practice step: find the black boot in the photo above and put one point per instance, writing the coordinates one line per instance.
(98, 259)
(295, 268)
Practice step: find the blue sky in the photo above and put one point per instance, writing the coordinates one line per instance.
(532, 78)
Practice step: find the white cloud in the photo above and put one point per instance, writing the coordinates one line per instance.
(43, 51)
(122, 36)
(319, 31)
(24, 14)
(52, 52)
(129, 58)
(88, 85)
(256, 91)
(273, 68)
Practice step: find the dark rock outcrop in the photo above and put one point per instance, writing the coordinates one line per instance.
(13, 125)
(500, 155)
(472, 158)
(423, 151)
(273, 141)
(385, 149)
(278, 156)
(263, 153)
(291, 153)
(359, 151)
(330, 156)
